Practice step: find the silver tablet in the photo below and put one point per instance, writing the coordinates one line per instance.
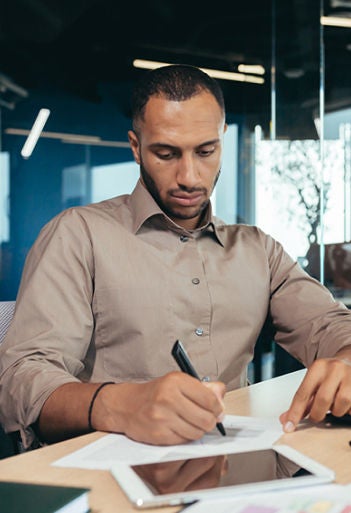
(187, 480)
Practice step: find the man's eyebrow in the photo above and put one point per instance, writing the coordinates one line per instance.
(159, 145)
(208, 143)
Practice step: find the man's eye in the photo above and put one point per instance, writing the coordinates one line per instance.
(165, 155)
(206, 152)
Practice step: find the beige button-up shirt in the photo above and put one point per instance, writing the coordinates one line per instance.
(107, 289)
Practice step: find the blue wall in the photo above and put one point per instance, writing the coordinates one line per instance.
(36, 183)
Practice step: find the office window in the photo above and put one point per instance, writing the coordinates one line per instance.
(224, 197)
(113, 180)
(289, 192)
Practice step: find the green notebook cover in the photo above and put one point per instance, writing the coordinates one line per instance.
(33, 498)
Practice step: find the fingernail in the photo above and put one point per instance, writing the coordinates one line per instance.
(289, 427)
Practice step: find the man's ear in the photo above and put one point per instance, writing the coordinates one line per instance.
(134, 144)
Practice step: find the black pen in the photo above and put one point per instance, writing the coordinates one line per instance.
(182, 359)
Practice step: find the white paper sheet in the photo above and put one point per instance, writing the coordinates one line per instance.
(243, 434)
(326, 498)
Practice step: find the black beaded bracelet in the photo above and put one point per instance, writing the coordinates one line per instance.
(93, 401)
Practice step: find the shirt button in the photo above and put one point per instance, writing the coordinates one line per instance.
(183, 238)
(199, 332)
(195, 281)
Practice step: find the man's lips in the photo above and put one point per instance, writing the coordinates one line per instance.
(188, 199)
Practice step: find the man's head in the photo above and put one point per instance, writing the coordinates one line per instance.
(177, 83)
(178, 122)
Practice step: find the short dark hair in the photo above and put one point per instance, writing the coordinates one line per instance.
(176, 82)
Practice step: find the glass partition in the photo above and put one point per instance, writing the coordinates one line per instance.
(289, 190)
(302, 166)
(336, 26)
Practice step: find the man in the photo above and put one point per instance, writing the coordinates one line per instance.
(108, 288)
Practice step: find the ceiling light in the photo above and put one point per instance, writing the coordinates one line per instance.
(340, 3)
(10, 93)
(294, 73)
(35, 132)
(257, 69)
(336, 21)
(72, 138)
(223, 75)
(7, 84)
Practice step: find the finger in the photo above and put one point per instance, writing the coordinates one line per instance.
(208, 397)
(333, 393)
(301, 401)
(200, 408)
(342, 401)
(219, 390)
(173, 430)
(323, 400)
(284, 416)
(193, 420)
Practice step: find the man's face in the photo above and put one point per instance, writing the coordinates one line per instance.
(179, 149)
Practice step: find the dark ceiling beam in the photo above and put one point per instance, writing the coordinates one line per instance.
(42, 21)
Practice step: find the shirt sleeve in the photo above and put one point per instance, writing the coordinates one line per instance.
(308, 322)
(52, 325)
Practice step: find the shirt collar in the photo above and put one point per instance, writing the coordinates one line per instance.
(143, 207)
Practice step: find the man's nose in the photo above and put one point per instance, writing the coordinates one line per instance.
(187, 174)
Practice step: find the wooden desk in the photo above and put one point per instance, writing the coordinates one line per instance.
(329, 445)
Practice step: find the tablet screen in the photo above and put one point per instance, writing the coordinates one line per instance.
(217, 471)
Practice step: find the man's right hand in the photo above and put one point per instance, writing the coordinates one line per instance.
(173, 409)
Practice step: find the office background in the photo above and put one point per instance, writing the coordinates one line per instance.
(287, 162)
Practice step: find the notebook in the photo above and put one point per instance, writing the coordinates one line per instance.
(34, 498)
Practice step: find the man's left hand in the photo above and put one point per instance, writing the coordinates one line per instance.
(325, 388)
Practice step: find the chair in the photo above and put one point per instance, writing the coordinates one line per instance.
(7, 309)
(7, 444)
(283, 361)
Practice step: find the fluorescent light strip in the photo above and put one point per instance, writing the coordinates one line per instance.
(257, 69)
(72, 138)
(101, 142)
(223, 75)
(55, 135)
(35, 132)
(335, 21)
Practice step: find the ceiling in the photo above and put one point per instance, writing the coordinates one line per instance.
(76, 45)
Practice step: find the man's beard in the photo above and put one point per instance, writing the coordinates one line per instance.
(172, 213)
